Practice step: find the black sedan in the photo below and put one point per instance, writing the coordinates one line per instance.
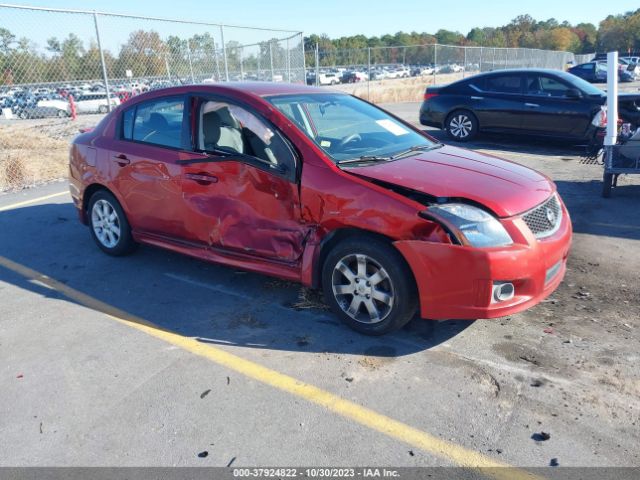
(527, 101)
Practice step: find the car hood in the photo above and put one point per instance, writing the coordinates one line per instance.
(504, 187)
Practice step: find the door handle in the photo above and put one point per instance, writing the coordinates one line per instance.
(532, 105)
(201, 178)
(121, 160)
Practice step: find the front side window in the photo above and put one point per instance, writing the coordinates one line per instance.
(346, 128)
(158, 122)
(228, 128)
(546, 87)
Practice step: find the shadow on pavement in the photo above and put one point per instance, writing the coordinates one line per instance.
(215, 304)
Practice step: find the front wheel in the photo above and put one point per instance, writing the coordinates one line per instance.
(369, 286)
(109, 225)
(462, 125)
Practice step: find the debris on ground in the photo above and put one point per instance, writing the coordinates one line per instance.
(537, 383)
(302, 341)
(309, 299)
(548, 330)
(205, 393)
(554, 462)
(203, 454)
(541, 437)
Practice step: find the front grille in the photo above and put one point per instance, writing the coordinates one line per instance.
(544, 220)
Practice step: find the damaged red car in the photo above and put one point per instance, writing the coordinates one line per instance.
(323, 188)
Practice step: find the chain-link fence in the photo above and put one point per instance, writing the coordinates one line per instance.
(58, 63)
(368, 70)
(48, 54)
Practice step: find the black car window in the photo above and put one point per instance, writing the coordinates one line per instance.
(503, 84)
(546, 86)
(158, 122)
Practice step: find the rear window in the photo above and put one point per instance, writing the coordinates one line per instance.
(158, 122)
(502, 84)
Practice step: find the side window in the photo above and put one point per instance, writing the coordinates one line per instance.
(127, 123)
(230, 128)
(158, 122)
(553, 88)
(503, 84)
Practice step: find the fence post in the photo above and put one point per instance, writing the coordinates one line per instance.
(288, 64)
(480, 63)
(368, 74)
(241, 67)
(271, 58)
(224, 53)
(317, 65)
(105, 77)
(435, 61)
(464, 67)
(166, 64)
(193, 80)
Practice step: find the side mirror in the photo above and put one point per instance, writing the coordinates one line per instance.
(574, 93)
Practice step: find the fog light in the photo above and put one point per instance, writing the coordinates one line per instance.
(503, 291)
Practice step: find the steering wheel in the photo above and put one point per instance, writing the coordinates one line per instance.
(348, 139)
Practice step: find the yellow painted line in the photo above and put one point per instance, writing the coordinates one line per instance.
(452, 452)
(33, 200)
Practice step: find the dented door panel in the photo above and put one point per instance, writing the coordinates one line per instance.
(238, 207)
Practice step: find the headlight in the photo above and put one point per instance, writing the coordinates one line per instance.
(479, 228)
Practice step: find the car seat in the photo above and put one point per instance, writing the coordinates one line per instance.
(221, 130)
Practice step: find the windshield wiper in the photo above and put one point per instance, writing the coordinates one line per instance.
(419, 148)
(364, 159)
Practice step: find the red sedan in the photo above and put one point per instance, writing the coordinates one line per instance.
(326, 189)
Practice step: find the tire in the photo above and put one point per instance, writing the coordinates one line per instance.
(23, 115)
(376, 307)
(607, 184)
(461, 125)
(103, 109)
(61, 114)
(103, 205)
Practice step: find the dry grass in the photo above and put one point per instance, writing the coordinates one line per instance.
(396, 90)
(29, 156)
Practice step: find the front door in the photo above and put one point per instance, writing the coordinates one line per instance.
(239, 189)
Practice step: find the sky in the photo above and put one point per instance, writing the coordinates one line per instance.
(350, 17)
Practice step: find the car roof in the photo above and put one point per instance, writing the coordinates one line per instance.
(256, 89)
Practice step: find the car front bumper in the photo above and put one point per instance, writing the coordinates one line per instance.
(456, 282)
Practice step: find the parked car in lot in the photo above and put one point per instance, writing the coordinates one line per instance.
(524, 101)
(40, 112)
(326, 189)
(596, 72)
(95, 102)
(329, 78)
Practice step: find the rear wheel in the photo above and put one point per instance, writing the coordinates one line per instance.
(369, 286)
(109, 225)
(462, 125)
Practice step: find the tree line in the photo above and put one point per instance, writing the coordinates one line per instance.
(616, 32)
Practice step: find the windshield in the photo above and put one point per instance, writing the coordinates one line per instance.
(346, 128)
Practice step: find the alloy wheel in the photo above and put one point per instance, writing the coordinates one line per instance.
(105, 223)
(362, 288)
(460, 126)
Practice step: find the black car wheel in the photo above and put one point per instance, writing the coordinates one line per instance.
(369, 286)
(462, 125)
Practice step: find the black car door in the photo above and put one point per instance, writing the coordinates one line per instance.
(552, 108)
(498, 101)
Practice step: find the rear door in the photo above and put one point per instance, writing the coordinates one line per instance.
(498, 101)
(549, 109)
(144, 165)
